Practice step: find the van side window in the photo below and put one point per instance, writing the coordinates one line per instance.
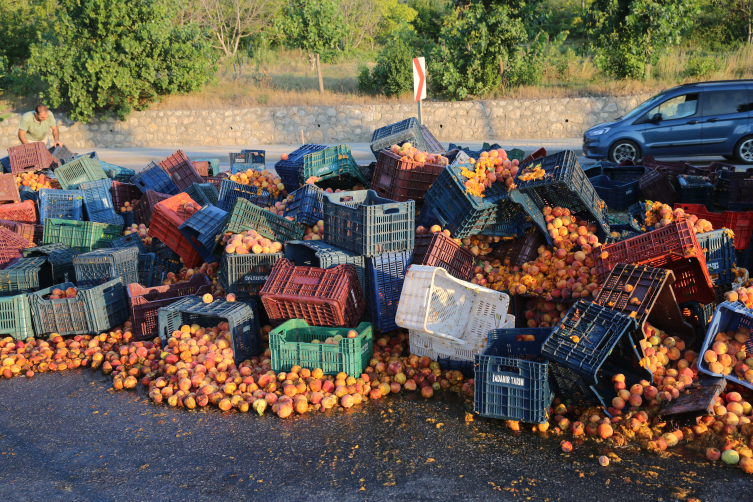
(678, 107)
(725, 102)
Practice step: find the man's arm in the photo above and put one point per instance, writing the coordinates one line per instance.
(56, 135)
(22, 136)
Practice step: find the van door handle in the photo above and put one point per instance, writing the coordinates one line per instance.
(712, 120)
(692, 122)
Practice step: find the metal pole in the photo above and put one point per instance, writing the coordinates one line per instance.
(419, 112)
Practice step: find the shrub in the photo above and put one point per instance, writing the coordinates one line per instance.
(700, 66)
(393, 73)
(118, 56)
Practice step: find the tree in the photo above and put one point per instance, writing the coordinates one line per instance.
(117, 56)
(230, 21)
(361, 18)
(429, 16)
(466, 62)
(393, 73)
(745, 9)
(395, 15)
(21, 23)
(630, 35)
(312, 25)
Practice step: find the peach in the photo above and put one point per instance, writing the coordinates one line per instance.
(566, 446)
(207, 298)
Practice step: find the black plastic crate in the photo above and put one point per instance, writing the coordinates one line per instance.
(129, 240)
(239, 273)
(242, 317)
(696, 190)
(230, 191)
(98, 202)
(565, 185)
(59, 266)
(385, 274)
(62, 154)
(203, 193)
(619, 195)
(512, 377)
(146, 269)
(405, 131)
(202, 229)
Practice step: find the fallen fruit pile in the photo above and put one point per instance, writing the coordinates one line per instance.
(261, 179)
(142, 231)
(660, 215)
(491, 167)
(249, 242)
(34, 181)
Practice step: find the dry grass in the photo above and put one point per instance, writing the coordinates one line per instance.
(285, 78)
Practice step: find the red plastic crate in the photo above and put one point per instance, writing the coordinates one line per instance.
(146, 302)
(30, 232)
(145, 207)
(22, 212)
(9, 188)
(674, 247)
(11, 239)
(330, 297)
(201, 166)
(403, 180)
(30, 157)
(438, 250)
(164, 225)
(8, 255)
(181, 170)
(537, 154)
(740, 222)
(124, 192)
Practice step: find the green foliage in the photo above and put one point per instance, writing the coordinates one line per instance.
(466, 62)
(313, 25)
(719, 26)
(394, 16)
(21, 23)
(117, 56)
(393, 73)
(556, 16)
(529, 65)
(429, 16)
(630, 35)
(700, 66)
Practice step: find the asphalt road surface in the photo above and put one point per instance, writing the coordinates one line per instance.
(70, 437)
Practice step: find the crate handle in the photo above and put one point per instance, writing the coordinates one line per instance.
(390, 208)
(306, 280)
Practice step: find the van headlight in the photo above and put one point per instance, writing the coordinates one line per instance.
(599, 132)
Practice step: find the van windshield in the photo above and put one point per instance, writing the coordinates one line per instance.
(644, 107)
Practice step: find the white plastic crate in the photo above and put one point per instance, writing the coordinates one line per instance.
(432, 346)
(435, 302)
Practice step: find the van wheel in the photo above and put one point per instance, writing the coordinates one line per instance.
(623, 150)
(744, 150)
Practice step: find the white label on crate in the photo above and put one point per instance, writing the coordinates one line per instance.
(713, 266)
(259, 278)
(507, 379)
(629, 192)
(364, 348)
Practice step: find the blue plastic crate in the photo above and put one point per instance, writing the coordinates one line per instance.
(290, 171)
(117, 173)
(368, 224)
(565, 185)
(719, 249)
(129, 240)
(153, 177)
(618, 195)
(169, 259)
(231, 191)
(97, 267)
(728, 316)
(202, 229)
(695, 190)
(203, 193)
(61, 204)
(251, 159)
(405, 131)
(27, 193)
(475, 153)
(242, 167)
(385, 274)
(5, 163)
(242, 317)
(146, 269)
(129, 218)
(307, 205)
(637, 214)
(512, 377)
(98, 202)
(624, 174)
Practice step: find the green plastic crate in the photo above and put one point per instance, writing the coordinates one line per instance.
(78, 171)
(21, 277)
(83, 236)
(15, 317)
(246, 216)
(331, 162)
(290, 344)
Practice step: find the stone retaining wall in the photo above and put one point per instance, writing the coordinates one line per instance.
(458, 121)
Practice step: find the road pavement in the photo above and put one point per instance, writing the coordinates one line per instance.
(69, 437)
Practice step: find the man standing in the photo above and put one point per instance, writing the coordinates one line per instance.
(34, 126)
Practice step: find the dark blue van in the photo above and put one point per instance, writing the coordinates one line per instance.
(706, 118)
